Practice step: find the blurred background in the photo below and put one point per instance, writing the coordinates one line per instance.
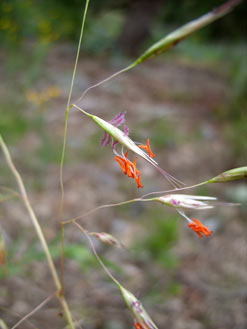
(190, 102)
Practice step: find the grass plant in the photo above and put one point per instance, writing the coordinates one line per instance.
(166, 232)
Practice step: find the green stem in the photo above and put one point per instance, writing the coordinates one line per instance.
(83, 111)
(64, 142)
(172, 39)
(3, 325)
(39, 232)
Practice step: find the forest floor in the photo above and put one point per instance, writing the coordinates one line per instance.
(184, 282)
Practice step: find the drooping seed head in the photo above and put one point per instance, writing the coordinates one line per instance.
(107, 239)
(173, 38)
(139, 313)
(230, 175)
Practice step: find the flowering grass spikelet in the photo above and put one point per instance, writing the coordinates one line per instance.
(181, 201)
(187, 201)
(114, 135)
(173, 38)
(141, 319)
(107, 239)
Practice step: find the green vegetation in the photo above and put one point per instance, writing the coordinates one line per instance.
(21, 264)
(162, 236)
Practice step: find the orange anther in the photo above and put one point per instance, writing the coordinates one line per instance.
(138, 180)
(199, 228)
(147, 147)
(122, 163)
(129, 168)
(139, 326)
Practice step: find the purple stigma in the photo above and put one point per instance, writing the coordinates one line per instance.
(137, 305)
(114, 145)
(175, 202)
(106, 139)
(126, 131)
(118, 119)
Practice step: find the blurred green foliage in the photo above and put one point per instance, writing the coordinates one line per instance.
(235, 115)
(164, 135)
(163, 233)
(102, 31)
(13, 123)
(19, 260)
(231, 26)
(39, 20)
(20, 265)
(42, 23)
(50, 20)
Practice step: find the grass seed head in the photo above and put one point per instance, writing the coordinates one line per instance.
(141, 318)
(230, 175)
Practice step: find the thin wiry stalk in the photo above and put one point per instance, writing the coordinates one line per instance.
(105, 80)
(15, 314)
(141, 199)
(142, 315)
(173, 38)
(101, 207)
(175, 189)
(33, 311)
(95, 252)
(64, 142)
(39, 233)
(8, 196)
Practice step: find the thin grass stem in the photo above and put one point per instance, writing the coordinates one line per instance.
(95, 252)
(172, 39)
(127, 68)
(64, 143)
(141, 199)
(101, 207)
(175, 189)
(33, 311)
(10, 196)
(38, 231)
